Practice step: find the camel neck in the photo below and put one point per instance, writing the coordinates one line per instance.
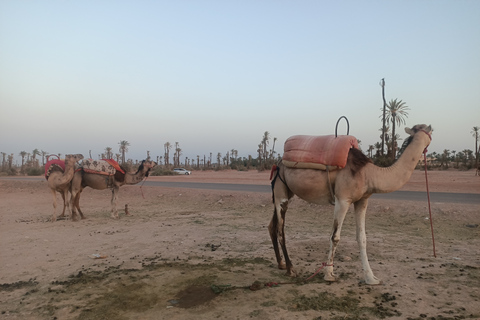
(134, 178)
(383, 180)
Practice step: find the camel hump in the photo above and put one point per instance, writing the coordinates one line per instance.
(318, 152)
(98, 167)
(54, 165)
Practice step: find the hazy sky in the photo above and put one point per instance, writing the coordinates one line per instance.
(215, 75)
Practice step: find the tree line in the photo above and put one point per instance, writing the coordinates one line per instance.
(383, 153)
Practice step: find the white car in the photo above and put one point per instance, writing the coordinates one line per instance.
(182, 171)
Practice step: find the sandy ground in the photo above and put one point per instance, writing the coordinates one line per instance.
(194, 254)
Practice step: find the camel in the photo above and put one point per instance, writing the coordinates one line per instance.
(355, 183)
(59, 180)
(82, 179)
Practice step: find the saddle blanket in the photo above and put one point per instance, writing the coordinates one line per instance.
(54, 165)
(318, 152)
(105, 166)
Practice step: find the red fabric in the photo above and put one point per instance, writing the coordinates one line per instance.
(114, 164)
(327, 150)
(58, 162)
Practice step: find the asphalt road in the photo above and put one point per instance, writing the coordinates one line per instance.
(468, 198)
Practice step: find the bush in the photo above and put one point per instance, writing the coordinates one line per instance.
(35, 171)
(160, 171)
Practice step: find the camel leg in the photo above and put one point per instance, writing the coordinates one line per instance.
(341, 208)
(277, 234)
(281, 234)
(273, 230)
(64, 205)
(77, 204)
(114, 202)
(360, 211)
(54, 217)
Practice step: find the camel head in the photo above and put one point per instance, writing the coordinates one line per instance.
(146, 166)
(72, 158)
(419, 127)
(414, 130)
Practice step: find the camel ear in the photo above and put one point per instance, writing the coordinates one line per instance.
(409, 131)
(429, 129)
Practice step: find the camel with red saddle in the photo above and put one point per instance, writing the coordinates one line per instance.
(348, 178)
(104, 174)
(101, 175)
(59, 174)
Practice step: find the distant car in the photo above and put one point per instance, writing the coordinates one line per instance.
(182, 171)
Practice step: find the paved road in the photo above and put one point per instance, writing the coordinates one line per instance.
(468, 198)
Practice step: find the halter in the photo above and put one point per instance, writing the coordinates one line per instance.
(430, 136)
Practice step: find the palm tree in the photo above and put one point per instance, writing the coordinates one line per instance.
(397, 112)
(444, 157)
(44, 154)
(35, 153)
(178, 153)
(109, 153)
(167, 146)
(382, 84)
(273, 148)
(370, 149)
(475, 134)
(124, 144)
(265, 141)
(3, 161)
(22, 154)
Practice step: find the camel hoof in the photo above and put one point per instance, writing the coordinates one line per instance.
(373, 282)
(330, 277)
(291, 273)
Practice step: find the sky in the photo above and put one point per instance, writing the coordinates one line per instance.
(80, 76)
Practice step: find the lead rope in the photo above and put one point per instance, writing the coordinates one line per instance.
(428, 197)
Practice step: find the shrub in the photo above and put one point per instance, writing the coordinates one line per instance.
(35, 171)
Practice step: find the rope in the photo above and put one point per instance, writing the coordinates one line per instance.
(428, 197)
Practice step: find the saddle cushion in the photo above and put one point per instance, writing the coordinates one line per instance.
(318, 152)
(54, 165)
(100, 166)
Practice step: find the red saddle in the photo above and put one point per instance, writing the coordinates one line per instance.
(318, 152)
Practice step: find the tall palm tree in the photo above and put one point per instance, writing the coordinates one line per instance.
(22, 154)
(35, 153)
(265, 141)
(124, 144)
(167, 146)
(44, 154)
(3, 161)
(397, 112)
(475, 133)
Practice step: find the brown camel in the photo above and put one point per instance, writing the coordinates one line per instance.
(355, 183)
(82, 179)
(59, 179)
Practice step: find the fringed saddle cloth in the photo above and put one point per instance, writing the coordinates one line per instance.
(54, 165)
(106, 167)
(318, 152)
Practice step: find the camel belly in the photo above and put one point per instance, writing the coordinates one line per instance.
(309, 184)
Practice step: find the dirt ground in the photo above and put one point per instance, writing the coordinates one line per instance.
(197, 254)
